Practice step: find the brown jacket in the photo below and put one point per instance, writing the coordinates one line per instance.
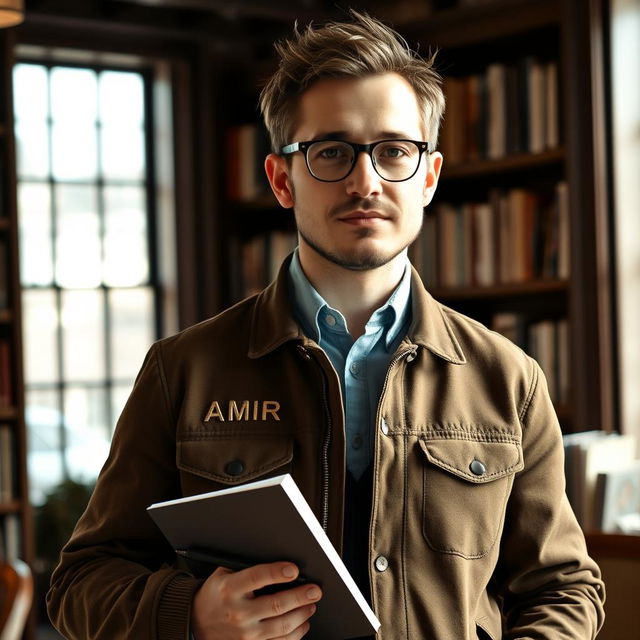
(469, 508)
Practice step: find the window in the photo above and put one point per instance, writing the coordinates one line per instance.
(90, 291)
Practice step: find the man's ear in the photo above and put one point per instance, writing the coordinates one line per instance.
(277, 170)
(435, 160)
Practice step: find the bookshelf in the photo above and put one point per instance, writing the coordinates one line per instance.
(536, 65)
(15, 518)
(532, 65)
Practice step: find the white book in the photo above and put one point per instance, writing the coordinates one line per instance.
(617, 495)
(588, 454)
(270, 521)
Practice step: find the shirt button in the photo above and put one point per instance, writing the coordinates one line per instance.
(477, 468)
(384, 427)
(382, 564)
(354, 367)
(330, 320)
(357, 441)
(234, 468)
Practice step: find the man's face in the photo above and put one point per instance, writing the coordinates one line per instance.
(363, 221)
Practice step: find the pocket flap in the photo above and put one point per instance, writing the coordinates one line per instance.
(234, 460)
(473, 460)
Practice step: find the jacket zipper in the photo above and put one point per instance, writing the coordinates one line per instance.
(396, 359)
(325, 454)
(324, 451)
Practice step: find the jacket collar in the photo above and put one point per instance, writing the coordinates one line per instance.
(430, 327)
(273, 323)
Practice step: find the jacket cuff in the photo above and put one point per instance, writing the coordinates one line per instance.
(174, 609)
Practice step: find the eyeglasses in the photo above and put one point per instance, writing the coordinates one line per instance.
(333, 160)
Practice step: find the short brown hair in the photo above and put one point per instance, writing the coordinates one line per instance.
(359, 48)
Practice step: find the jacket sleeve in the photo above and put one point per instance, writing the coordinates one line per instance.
(114, 578)
(549, 586)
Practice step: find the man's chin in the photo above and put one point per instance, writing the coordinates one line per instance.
(356, 260)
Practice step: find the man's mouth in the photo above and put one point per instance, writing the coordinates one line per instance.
(362, 217)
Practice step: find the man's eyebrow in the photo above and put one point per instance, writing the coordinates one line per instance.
(344, 135)
(330, 135)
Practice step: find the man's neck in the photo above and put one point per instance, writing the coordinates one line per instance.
(356, 294)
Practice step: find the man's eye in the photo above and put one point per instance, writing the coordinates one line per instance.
(330, 153)
(393, 152)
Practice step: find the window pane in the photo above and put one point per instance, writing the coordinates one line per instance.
(126, 255)
(74, 151)
(30, 92)
(74, 96)
(45, 461)
(122, 152)
(121, 98)
(83, 335)
(133, 332)
(40, 325)
(88, 431)
(36, 262)
(78, 247)
(32, 149)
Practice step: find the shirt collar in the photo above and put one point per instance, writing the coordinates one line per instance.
(393, 316)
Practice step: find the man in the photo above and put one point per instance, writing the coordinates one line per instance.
(426, 444)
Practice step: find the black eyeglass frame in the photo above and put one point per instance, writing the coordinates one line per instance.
(357, 148)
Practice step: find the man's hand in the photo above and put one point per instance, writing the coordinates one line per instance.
(225, 607)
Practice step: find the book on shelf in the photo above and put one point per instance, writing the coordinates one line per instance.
(6, 386)
(588, 454)
(259, 259)
(7, 454)
(10, 547)
(4, 278)
(617, 499)
(544, 340)
(269, 521)
(518, 235)
(247, 145)
(507, 109)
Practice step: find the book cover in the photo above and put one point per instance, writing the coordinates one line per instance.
(269, 521)
(617, 494)
(497, 111)
(588, 454)
(7, 466)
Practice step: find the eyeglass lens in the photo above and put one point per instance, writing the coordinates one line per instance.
(332, 160)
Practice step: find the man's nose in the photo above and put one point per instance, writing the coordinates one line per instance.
(363, 181)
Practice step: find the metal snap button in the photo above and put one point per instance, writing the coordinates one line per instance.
(382, 564)
(384, 427)
(234, 468)
(477, 468)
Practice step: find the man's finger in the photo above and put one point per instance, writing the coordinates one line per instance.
(283, 602)
(262, 575)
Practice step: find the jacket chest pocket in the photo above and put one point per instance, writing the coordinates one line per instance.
(466, 485)
(222, 461)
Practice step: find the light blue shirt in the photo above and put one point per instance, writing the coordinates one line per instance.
(362, 364)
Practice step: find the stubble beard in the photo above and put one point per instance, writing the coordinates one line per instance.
(357, 259)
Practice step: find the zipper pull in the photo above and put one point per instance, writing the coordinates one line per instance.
(303, 352)
(412, 355)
